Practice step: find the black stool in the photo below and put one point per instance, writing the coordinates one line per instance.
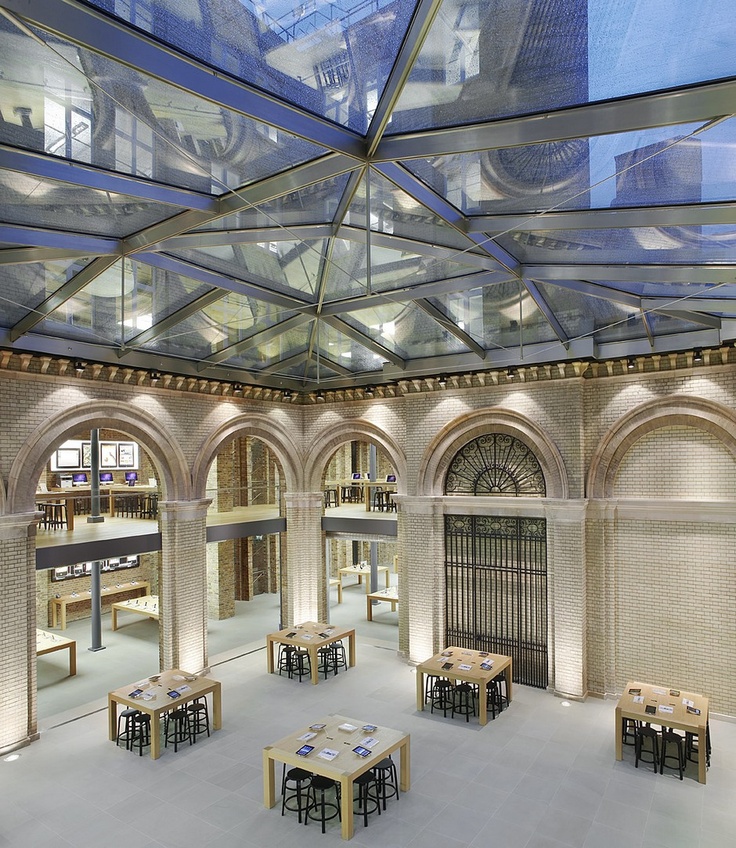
(141, 732)
(294, 785)
(326, 660)
(301, 665)
(670, 738)
(494, 698)
(285, 658)
(443, 695)
(367, 803)
(331, 497)
(692, 752)
(125, 727)
(387, 780)
(177, 728)
(643, 754)
(464, 701)
(341, 659)
(199, 716)
(321, 809)
(628, 731)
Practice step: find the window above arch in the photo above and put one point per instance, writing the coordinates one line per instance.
(498, 465)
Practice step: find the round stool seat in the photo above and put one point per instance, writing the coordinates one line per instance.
(322, 809)
(367, 803)
(294, 785)
(125, 726)
(387, 780)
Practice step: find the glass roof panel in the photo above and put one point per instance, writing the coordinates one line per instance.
(76, 104)
(331, 57)
(664, 165)
(642, 245)
(676, 291)
(315, 204)
(219, 325)
(269, 352)
(26, 286)
(344, 351)
(409, 332)
(486, 59)
(283, 265)
(503, 315)
(26, 199)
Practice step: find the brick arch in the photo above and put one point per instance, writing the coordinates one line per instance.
(145, 428)
(680, 410)
(357, 430)
(442, 449)
(256, 426)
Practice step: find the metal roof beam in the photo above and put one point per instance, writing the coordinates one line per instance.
(448, 324)
(90, 28)
(694, 215)
(542, 305)
(362, 339)
(711, 321)
(632, 301)
(83, 244)
(677, 106)
(214, 238)
(717, 305)
(290, 362)
(711, 273)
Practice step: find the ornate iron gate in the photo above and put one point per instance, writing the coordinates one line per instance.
(496, 590)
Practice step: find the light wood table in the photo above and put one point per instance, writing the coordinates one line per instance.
(310, 637)
(364, 572)
(670, 711)
(458, 657)
(389, 596)
(47, 643)
(345, 767)
(146, 606)
(69, 496)
(161, 703)
(59, 605)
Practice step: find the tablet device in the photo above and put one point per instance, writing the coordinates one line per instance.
(172, 693)
(361, 751)
(291, 635)
(486, 666)
(446, 666)
(305, 750)
(317, 726)
(370, 728)
(693, 710)
(650, 709)
(135, 693)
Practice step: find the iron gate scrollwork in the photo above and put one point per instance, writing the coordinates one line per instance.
(495, 464)
(496, 590)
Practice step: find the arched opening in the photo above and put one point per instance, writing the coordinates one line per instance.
(496, 564)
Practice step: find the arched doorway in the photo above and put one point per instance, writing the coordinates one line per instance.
(496, 565)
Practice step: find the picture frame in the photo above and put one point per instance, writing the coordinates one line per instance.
(126, 455)
(68, 458)
(86, 454)
(108, 454)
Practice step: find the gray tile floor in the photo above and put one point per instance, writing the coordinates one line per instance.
(540, 776)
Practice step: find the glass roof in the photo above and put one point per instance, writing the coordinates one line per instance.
(340, 192)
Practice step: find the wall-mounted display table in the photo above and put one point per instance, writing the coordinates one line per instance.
(59, 605)
(47, 643)
(146, 606)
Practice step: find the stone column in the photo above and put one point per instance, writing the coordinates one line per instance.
(420, 548)
(18, 723)
(183, 585)
(303, 584)
(568, 595)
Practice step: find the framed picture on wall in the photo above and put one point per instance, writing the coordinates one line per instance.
(126, 455)
(86, 454)
(108, 454)
(67, 458)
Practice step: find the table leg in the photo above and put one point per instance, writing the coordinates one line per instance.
(339, 591)
(70, 513)
(72, 659)
(405, 767)
(269, 655)
(482, 704)
(509, 682)
(346, 804)
(54, 614)
(619, 735)
(702, 753)
(63, 615)
(155, 736)
(114, 617)
(217, 707)
(313, 663)
(369, 609)
(388, 578)
(112, 718)
(351, 650)
(420, 690)
(269, 780)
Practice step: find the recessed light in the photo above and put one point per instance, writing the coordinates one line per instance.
(697, 355)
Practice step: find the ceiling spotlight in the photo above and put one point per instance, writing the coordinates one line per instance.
(510, 373)
(368, 390)
(631, 363)
(79, 366)
(697, 355)
(320, 395)
(155, 376)
(237, 388)
(442, 380)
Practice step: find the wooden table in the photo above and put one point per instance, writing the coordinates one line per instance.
(474, 674)
(664, 698)
(366, 487)
(335, 581)
(390, 596)
(309, 636)
(161, 702)
(146, 606)
(362, 572)
(59, 605)
(47, 643)
(345, 767)
(68, 496)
